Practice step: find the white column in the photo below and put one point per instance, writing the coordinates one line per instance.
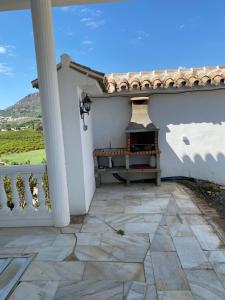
(49, 94)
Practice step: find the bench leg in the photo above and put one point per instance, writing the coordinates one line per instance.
(128, 179)
(98, 180)
(158, 178)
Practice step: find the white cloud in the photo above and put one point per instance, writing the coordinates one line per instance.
(91, 18)
(87, 47)
(84, 10)
(67, 8)
(139, 36)
(192, 23)
(3, 50)
(7, 49)
(94, 23)
(84, 20)
(5, 69)
(87, 42)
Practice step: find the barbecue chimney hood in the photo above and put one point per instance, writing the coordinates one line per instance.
(140, 120)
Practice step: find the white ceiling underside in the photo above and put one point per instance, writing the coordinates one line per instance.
(6, 5)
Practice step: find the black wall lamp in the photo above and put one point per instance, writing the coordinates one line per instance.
(85, 108)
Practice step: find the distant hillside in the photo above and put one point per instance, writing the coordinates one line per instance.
(28, 107)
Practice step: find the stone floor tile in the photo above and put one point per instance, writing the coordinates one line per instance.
(162, 240)
(217, 256)
(72, 228)
(205, 285)
(217, 259)
(99, 203)
(31, 241)
(113, 247)
(132, 202)
(35, 290)
(53, 271)
(92, 219)
(90, 290)
(54, 253)
(168, 272)
(97, 253)
(207, 237)
(153, 218)
(151, 293)
(11, 251)
(172, 208)
(141, 227)
(190, 253)
(175, 295)
(96, 227)
(64, 240)
(149, 274)
(144, 209)
(114, 271)
(124, 218)
(128, 240)
(93, 239)
(28, 231)
(187, 206)
(134, 290)
(181, 195)
(194, 219)
(107, 209)
(220, 271)
(177, 226)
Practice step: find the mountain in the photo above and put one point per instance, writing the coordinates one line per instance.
(28, 107)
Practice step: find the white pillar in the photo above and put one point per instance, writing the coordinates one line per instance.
(49, 94)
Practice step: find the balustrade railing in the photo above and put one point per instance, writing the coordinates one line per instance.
(24, 196)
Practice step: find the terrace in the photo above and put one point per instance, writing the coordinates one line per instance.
(170, 249)
(70, 240)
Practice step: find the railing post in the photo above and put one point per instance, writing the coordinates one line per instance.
(15, 195)
(28, 195)
(3, 197)
(41, 194)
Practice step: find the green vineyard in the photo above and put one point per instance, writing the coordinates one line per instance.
(20, 141)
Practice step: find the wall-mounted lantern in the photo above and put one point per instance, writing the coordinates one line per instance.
(85, 108)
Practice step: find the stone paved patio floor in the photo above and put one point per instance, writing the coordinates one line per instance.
(170, 250)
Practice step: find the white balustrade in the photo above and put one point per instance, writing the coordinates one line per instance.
(23, 207)
(15, 194)
(3, 198)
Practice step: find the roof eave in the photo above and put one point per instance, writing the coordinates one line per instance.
(35, 81)
(96, 75)
(150, 92)
(10, 5)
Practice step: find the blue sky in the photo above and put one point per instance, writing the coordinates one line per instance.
(135, 35)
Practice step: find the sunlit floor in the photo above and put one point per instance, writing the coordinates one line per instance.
(168, 250)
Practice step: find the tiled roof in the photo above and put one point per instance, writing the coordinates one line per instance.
(164, 79)
(150, 80)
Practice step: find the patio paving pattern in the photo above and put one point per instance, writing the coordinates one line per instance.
(169, 250)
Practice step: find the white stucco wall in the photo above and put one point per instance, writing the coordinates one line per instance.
(77, 142)
(191, 136)
(87, 156)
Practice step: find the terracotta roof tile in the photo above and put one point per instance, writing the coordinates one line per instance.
(158, 79)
